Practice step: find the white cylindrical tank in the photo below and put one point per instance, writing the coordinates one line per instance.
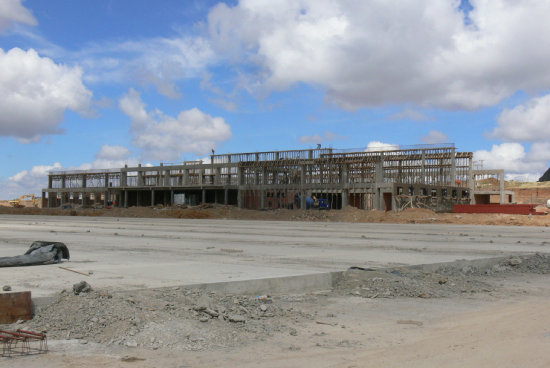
(548, 203)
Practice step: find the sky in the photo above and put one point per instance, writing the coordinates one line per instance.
(103, 83)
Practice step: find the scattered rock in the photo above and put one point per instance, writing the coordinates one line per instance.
(81, 287)
(6, 288)
(130, 359)
(236, 319)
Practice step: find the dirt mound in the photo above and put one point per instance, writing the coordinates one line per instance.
(168, 318)
(418, 212)
(439, 280)
(348, 214)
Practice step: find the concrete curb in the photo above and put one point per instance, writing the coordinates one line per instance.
(286, 284)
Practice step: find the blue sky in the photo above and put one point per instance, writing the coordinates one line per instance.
(97, 84)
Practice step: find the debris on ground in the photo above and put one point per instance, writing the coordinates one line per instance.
(183, 319)
(81, 287)
(39, 253)
(443, 280)
(347, 214)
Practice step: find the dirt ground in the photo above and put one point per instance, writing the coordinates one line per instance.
(465, 313)
(349, 214)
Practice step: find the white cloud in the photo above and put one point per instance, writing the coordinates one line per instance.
(540, 151)
(162, 137)
(108, 152)
(316, 138)
(372, 53)
(381, 146)
(13, 11)
(527, 122)
(435, 136)
(514, 160)
(160, 62)
(36, 92)
(27, 181)
(410, 114)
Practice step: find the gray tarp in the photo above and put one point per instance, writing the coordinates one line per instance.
(39, 253)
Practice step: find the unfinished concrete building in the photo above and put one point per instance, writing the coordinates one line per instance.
(429, 176)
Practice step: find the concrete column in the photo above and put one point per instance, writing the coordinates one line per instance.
(239, 176)
(240, 198)
(186, 177)
(344, 176)
(264, 176)
(215, 196)
(140, 181)
(423, 168)
(302, 187)
(50, 180)
(262, 199)
(126, 199)
(218, 175)
(105, 198)
(152, 197)
(138, 198)
(226, 196)
(453, 167)
(171, 197)
(204, 196)
(471, 182)
(63, 181)
(124, 179)
(501, 187)
(379, 170)
(167, 182)
(83, 184)
(345, 197)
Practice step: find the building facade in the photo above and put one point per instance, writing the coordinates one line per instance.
(430, 176)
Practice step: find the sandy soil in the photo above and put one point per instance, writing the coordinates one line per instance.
(349, 214)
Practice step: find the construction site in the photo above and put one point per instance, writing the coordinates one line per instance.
(435, 177)
(318, 257)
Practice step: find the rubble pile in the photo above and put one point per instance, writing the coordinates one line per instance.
(445, 280)
(167, 318)
(194, 320)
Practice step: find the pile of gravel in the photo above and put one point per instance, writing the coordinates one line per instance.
(167, 318)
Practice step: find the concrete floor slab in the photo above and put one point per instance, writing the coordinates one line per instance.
(133, 253)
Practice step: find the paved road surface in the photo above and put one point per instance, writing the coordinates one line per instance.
(129, 253)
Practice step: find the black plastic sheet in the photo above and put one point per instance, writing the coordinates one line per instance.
(39, 253)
